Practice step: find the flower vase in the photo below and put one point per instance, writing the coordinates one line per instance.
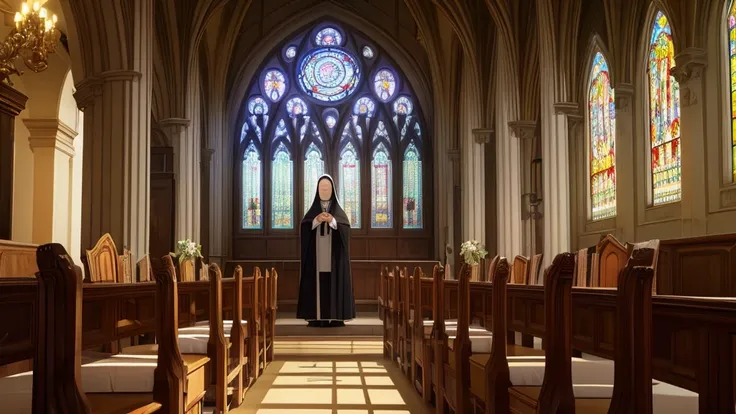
(475, 272)
(186, 270)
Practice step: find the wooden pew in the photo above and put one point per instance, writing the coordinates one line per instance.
(402, 321)
(422, 349)
(17, 259)
(390, 314)
(271, 310)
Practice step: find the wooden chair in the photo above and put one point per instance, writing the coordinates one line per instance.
(612, 257)
(535, 267)
(520, 270)
(103, 264)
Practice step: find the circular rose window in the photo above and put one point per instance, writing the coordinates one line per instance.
(329, 75)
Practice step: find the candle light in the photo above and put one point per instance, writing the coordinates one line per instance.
(24, 9)
(36, 6)
(42, 13)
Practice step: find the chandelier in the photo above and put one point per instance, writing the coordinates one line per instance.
(32, 39)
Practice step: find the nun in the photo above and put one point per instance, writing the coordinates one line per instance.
(325, 286)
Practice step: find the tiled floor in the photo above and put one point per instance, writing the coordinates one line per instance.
(334, 376)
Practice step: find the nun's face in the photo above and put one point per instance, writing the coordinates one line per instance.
(325, 189)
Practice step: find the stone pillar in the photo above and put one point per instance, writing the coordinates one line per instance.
(524, 132)
(625, 164)
(52, 143)
(557, 119)
(455, 201)
(12, 103)
(185, 164)
(205, 194)
(688, 73)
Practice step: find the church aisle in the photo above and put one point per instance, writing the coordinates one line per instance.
(331, 376)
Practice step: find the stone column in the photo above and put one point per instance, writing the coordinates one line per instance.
(524, 132)
(205, 196)
(455, 203)
(115, 175)
(12, 103)
(52, 143)
(556, 122)
(625, 164)
(185, 164)
(688, 72)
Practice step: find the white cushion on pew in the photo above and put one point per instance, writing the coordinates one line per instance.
(119, 373)
(529, 371)
(481, 340)
(16, 393)
(666, 398)
(193, 339)
(226, 323)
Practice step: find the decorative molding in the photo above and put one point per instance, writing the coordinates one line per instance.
(523, 129)
(687, 97)
(174, 125)
(482, 135)
(91, 86)
(566, 108)
(728, 197)
(690, 64)
(206, 157)
(12, 102)
(50, 133)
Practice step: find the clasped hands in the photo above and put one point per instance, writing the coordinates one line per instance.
(325, 218)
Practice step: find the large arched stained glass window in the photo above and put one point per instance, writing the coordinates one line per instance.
(314, 167)
(328, 100)
(412, 188)
(664, 114)
(602, 121)
(381, 217)
(349, 184)
(251, 188)
(732, 80)
(282, 188)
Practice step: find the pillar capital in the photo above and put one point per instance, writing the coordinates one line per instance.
(624, 96)
(174, 125)
(50, 133)
(523, 129)
(206, 157)
(689, 65)
(482, 135)
(91, 87)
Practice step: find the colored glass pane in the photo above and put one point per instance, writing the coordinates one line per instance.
(257, 106)
(329, 36)
(314, 167)
(290, 52)
(251, 188)
(384, 85)
(330, 121)
(412, 197)
(664, 114)
(282, 189)
(349, 184)
(380, 132)
(281, 130)
(244, 132)
(418, 130)
(315, 133)
(368, 52)
(403, 106)
(364, 106)
(381, 217)
(732, 72)
(602, 121)
(296, 107)
(303, 129)
(329, 75)
(274, 85)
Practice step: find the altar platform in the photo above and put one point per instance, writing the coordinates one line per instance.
(366, 324)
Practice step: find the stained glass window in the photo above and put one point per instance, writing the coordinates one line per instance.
(732, 72)
(296, 107)
(328, 119)
(349, 184)
(367, 52)
(329, 36)
(381, 217)
(412, 201)
(664, 114)
(384, 85)
(403, 106)
(602, 120)
(251, 188)
(291, 52)
(329, 75)
(314, 167)
(274, 84)
(282, 188)
(364, 106)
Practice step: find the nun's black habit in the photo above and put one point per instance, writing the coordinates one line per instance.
(333, 292)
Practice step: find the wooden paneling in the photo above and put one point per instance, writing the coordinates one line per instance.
(703, 266)
(162, 217)
(365, 276)
(12, 103)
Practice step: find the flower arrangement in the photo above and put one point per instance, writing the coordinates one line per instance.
(472, 251)
(187, 250)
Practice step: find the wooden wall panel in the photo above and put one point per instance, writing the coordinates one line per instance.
(162, 218)
(704, 266)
